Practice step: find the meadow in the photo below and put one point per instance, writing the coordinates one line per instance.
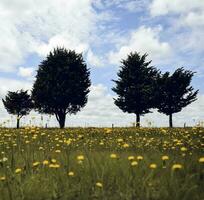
(102, 163)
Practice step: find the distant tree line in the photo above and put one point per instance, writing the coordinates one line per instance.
(63, 80)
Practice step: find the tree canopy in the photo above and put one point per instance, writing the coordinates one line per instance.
(136, 85)
(18, 103)
(175, 92)
(62, 84)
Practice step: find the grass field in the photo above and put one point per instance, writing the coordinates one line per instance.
(120, 163)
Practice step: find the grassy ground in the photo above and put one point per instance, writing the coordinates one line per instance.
(123, 163)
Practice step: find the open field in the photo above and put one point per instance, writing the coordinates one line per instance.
(120, 163)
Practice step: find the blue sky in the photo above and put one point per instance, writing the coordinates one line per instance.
(105, 31)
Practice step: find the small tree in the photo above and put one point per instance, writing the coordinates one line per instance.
(18, 103)
(175, 92)
(62, 84)
(135, 85)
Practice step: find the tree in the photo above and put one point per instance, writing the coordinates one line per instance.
(175, 92)
(18, 103)
(62, 84)
(135, 85)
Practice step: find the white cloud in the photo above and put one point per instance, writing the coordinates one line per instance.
(163, 7)
(144, 40)
(26, 72)
(94, 60)
(37, 26)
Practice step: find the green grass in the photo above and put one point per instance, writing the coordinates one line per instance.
(116, 178)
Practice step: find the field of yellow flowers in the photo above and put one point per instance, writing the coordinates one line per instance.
(102, 163)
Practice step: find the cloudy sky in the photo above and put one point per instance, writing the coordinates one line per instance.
(171, 32)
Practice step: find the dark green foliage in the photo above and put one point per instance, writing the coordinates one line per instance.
(62, 84)
(175, 92)
(135, 85)
(18, 103)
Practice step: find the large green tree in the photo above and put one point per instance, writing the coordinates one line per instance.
(175, 92)
(62, 84)
(18, 103)
(135, 85)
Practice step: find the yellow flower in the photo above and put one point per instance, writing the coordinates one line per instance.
(2, 178)
(99, 184)
(134, 163)
(54, 166)
(45, 162)
(80, 157)
(113, 155)
(18, 170)
(165, 157)
(53, 160)
(70, 173)
(201, 160)
(139, 158)
(153, 166)
(57, 151)
(177, 166)
(35, 164)
(126, 145)
(183, 149)
(131, 157)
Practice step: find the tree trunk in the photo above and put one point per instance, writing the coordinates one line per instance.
(137, 120)
(61, 119)
(170, 121)
(18, 122)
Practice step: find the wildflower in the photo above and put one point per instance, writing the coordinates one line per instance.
(35, 164)
(57, 151)
(53, 160)
(45, 162)
(126, 145)
(120, 140)
(2, 178)
(165, 157)
(131, 157)
(139, 158)
(183, 149)
(18, 170)
(201, 160)
(70, 173)
(54, 166)
(153, 166)
(134, 163)
(177, 166)
(113, 155)
(99, 184)
(80, 157)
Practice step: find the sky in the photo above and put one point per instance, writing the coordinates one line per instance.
(105, 32)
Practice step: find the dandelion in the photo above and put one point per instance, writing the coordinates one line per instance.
(153, 166)
(139, 157)
(35, 164)
(131, 157)
(99, 184)
(2, 178)
(165, 157)
(134, 163)
(53, 160)
(177, 166)
(201, 160)
(113, 156)
(70, 173)
(80, 157)
(45, 162)
(54, 166)
(183, 149)
(126, 145)
(18, 170)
